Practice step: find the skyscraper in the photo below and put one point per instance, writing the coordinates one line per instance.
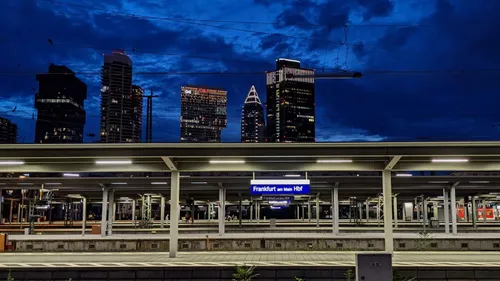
(60, 104)
(121, 102)
(252, 118)
(8, 131)
(290, 103)
(203, 114)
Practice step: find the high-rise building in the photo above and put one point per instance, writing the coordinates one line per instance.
(252, 118)
(290, 103)
(8, 131)
(121, 102)
(203, 114)
(60, 104)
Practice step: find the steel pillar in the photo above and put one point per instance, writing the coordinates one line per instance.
(453, 210)
(317, 211)
(222, 210)
(84, 215)
(446, 210)
(395, 206)
(104, 211)
(484, 211)
(174, 213)
(387, 190)
(335, 210)
(111, 212)
(162, 212)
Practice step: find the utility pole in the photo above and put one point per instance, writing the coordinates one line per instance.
(149, 117)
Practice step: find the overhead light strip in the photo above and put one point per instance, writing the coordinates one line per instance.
(334, 161)
(11, 162)
(449, 160)
(70, 175)
(113, 162)
(227, 161)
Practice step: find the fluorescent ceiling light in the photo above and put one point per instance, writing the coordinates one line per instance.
(442, 182)
(334, 161)
(119, 183)
(404, 175)
(159, 182)
(70, 175)
(52, 183)
(25, 183)
(113, 162)
(292, 176)
(449, 160)
(11, 162)
(479, 182)
(198, 182)
(185, 176)
(227, 161)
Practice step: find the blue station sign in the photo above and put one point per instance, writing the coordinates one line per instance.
(280, 187)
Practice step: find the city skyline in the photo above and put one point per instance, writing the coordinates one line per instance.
(420, 46)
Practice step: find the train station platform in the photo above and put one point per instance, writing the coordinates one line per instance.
(250, 242)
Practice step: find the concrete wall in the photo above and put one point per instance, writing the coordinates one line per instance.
(225, 274)
(108, 245)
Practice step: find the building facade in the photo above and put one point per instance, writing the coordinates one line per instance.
(203, 114)
(121, 102)
(8, 131)
(60, 105)
(252, 118)
(290, 103)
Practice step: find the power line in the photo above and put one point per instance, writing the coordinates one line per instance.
(238, 73)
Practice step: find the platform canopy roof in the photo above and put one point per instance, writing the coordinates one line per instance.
(197, 157)
(354, 167)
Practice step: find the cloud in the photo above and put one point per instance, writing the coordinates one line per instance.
(442, 35)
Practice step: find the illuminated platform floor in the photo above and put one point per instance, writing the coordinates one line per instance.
(268, 259)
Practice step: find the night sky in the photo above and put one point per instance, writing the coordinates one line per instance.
(435, 53)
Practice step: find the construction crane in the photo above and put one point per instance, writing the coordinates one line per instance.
(149, 117)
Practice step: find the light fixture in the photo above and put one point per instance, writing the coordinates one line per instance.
(70, 175)
(184, 176)
(292, 176)
(227, 161)
(198, 182)
(119, 183)
(442, 182)
(334, 161)
(113, 162)
(52, 183)
(25, 183)
(11, 162)
(159, 182)
(404, 175)
(450, 160)
(479, 182)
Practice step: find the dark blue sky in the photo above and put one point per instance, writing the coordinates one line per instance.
(248, 35)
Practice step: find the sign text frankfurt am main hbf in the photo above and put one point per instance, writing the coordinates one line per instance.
(279, 187)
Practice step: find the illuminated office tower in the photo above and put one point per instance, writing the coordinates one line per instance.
(252, 118)
(290, 103)
(203, 114)
(121, 102)
(8, 131)
(60, 105)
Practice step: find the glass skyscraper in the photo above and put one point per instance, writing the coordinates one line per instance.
(203, 114)
(290, 103)
(8, 131)
(121, 102)
(60, 104)
(252, 118)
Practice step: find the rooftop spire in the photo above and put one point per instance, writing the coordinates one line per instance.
(252, 96)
